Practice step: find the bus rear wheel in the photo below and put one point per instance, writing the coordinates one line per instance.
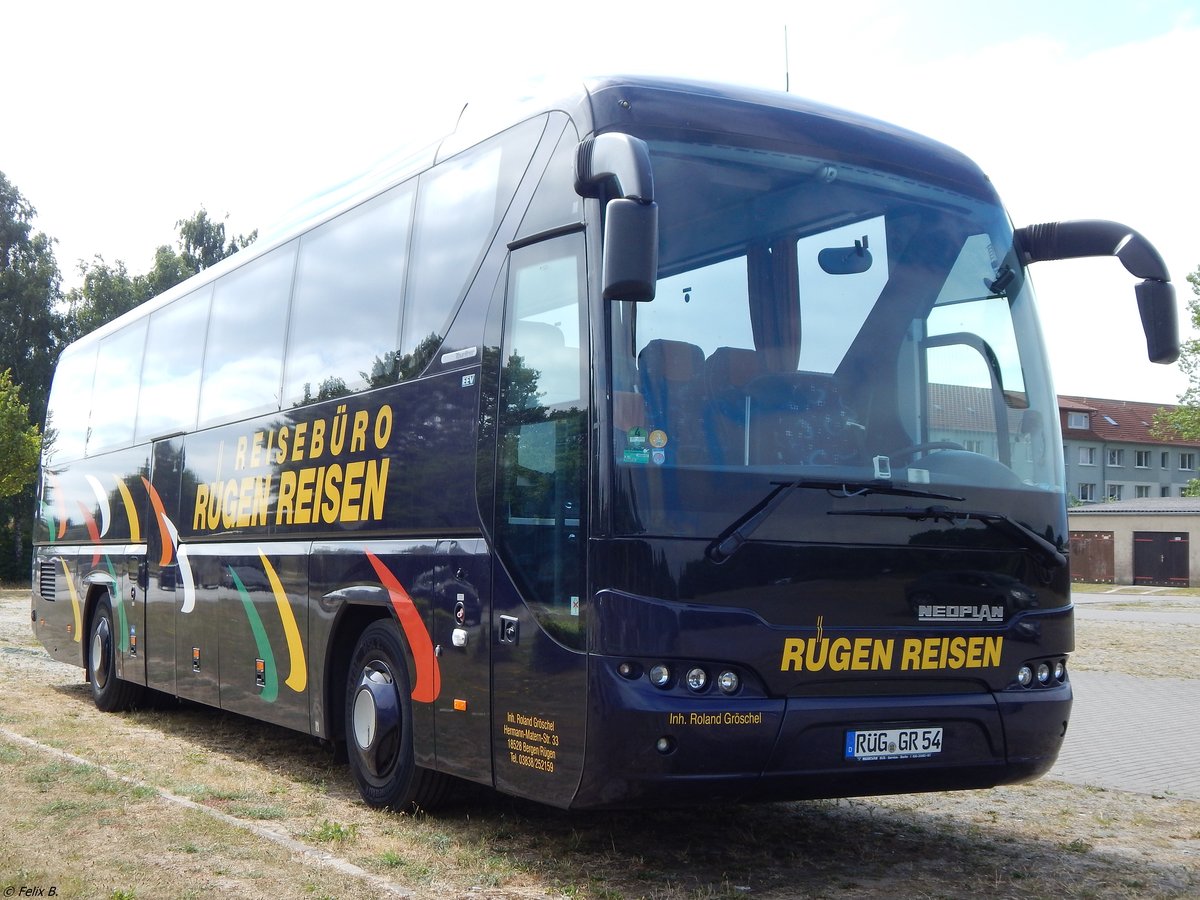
(110, 693)
(378, 725)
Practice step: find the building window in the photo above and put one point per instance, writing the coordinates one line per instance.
(1115, 491)
(1187, 461)
(1087, 493)
(1116, 457)
(1142, 459)
(1164, 492)
(1166, 459)
(1141, 491)
(1087, 456)
(1077, 420)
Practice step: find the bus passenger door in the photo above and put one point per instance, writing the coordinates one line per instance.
(539, 603)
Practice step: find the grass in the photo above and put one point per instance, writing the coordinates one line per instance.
(73, 825)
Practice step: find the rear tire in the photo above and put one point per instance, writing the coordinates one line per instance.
(110, 693)
(378, 726)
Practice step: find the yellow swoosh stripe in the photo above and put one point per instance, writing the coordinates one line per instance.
(297, 678)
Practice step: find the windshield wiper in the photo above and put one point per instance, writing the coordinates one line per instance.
(1011, 528)
(729, 541)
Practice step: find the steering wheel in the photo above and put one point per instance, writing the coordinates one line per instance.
(927, 447)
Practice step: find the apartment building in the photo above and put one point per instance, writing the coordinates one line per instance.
(1112, 452)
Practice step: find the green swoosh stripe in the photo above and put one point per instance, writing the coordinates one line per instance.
(270, 690)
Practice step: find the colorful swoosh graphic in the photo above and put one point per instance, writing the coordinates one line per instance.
(135, 532)
(93, 532)
(166, 528)
(185, 575)
(101, 504)
(298, 675)
(119, 602)
(429, 675)
(270, 691)
(74, 601)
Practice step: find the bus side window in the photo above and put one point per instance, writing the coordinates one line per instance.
(171, 371)
(118, 374)
(460, 203)
(543, 437)
(243, 356)
(346, 307)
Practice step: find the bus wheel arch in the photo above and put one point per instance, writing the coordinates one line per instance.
(109, 692)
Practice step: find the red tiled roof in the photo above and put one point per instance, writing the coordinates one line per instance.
(1116, 420)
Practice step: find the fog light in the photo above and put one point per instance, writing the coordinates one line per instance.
(1025, 676)
(697, 679)
(629, 670)
(1043, 673)
(665, 744)
(660, 675)
(1060, 671)
(728, 682)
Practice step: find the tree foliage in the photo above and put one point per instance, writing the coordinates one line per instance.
(108, 290)
(202, 241)
(30, 289)
(1183, 422)
(20, 441)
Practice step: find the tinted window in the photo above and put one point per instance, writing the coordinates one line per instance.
(70, 401)
(171, 372)
(243, 359)
(115, 395)
(555, 203)
(459, 206)
(346, 310)
(543, 434)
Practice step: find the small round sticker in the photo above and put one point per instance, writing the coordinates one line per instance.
(658, 438)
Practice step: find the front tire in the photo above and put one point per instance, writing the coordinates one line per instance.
(110, 693)
(378, 726)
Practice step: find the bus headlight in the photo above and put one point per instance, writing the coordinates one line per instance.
(1043, 673)
(660, 675)
(1025, 676)
(697, 679)
(1060, 671)
(728, 682)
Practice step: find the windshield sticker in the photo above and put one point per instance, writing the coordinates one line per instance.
(636, 450)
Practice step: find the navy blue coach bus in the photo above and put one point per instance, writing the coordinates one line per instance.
(675, 443)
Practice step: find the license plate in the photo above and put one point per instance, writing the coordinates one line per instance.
(893, 743)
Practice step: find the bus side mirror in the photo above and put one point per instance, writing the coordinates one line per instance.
(1097, 237)
(630, 250)
(1156, 304)
(622, 162)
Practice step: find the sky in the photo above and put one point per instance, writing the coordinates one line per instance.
(120, 118)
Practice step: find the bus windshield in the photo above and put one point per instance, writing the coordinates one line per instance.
(828, 321)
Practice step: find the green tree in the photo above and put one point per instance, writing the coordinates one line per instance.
(107, 291)
(1183, 422)
(33, 333)
(202, 241)
(20, 441)
(30, 291)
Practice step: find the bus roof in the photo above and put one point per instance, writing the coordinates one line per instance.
(640, 105)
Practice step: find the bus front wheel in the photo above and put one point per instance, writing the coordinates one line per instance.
(110, 693)
(379, 738)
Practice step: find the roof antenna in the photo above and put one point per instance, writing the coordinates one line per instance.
(787, 65)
